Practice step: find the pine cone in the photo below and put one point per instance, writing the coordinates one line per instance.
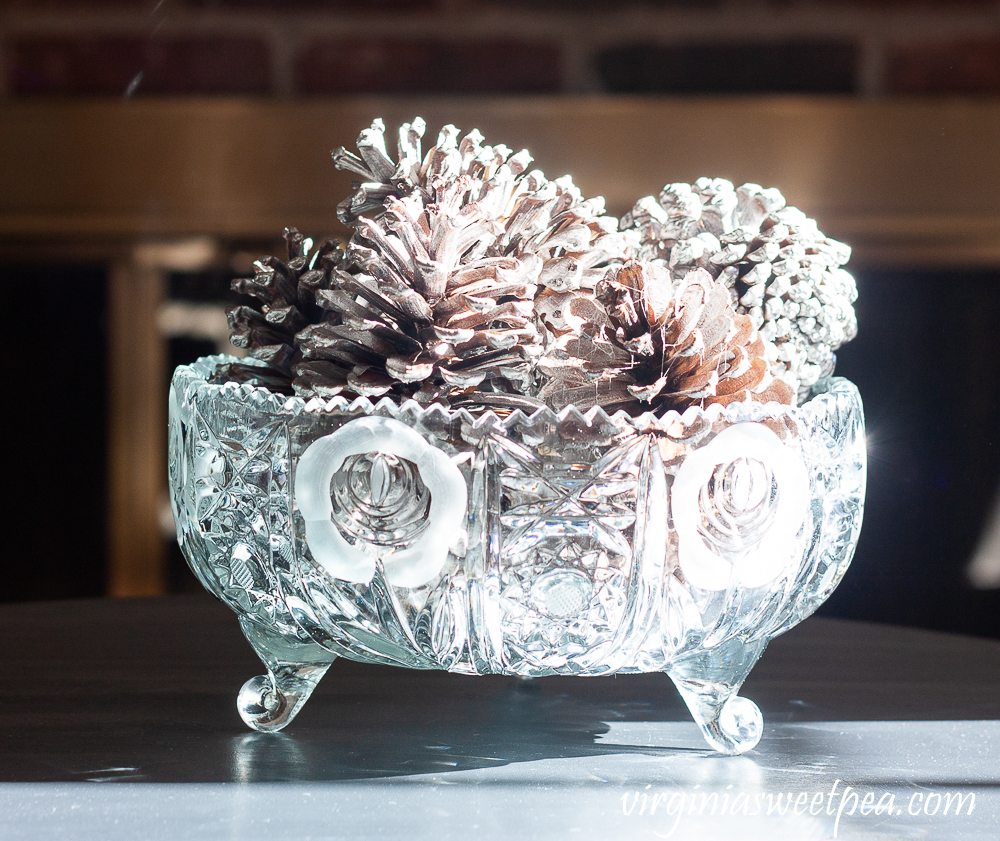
(580, 364)
(425, 312)
(285, 303)
(780, 270)
(684, 343)
(551, 220)
(437, 303)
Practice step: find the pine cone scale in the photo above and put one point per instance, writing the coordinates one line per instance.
(407, 370)
(369, 382)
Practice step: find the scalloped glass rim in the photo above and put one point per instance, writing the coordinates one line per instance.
(204, 368)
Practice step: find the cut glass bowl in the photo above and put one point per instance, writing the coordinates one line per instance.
(570, 543)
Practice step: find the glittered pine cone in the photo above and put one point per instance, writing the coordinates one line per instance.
(671, 344)
(780, 270)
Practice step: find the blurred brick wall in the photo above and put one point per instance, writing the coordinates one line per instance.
(316, 47)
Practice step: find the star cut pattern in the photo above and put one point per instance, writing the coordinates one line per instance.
(240, 490)
(566, 552)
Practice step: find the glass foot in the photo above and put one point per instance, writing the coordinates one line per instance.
(708, 683)
(294, 668)
(269, 702)
(731, 725)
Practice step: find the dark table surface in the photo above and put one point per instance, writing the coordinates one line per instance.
(141, 693)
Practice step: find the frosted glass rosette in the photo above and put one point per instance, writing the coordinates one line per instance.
(561, 543)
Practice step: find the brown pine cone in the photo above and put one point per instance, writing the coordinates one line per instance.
(284, 304)
(780, 269)
(688, 345)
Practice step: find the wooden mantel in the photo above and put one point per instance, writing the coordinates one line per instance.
(905, 182)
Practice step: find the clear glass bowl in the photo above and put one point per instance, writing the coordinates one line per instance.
(570, 543)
